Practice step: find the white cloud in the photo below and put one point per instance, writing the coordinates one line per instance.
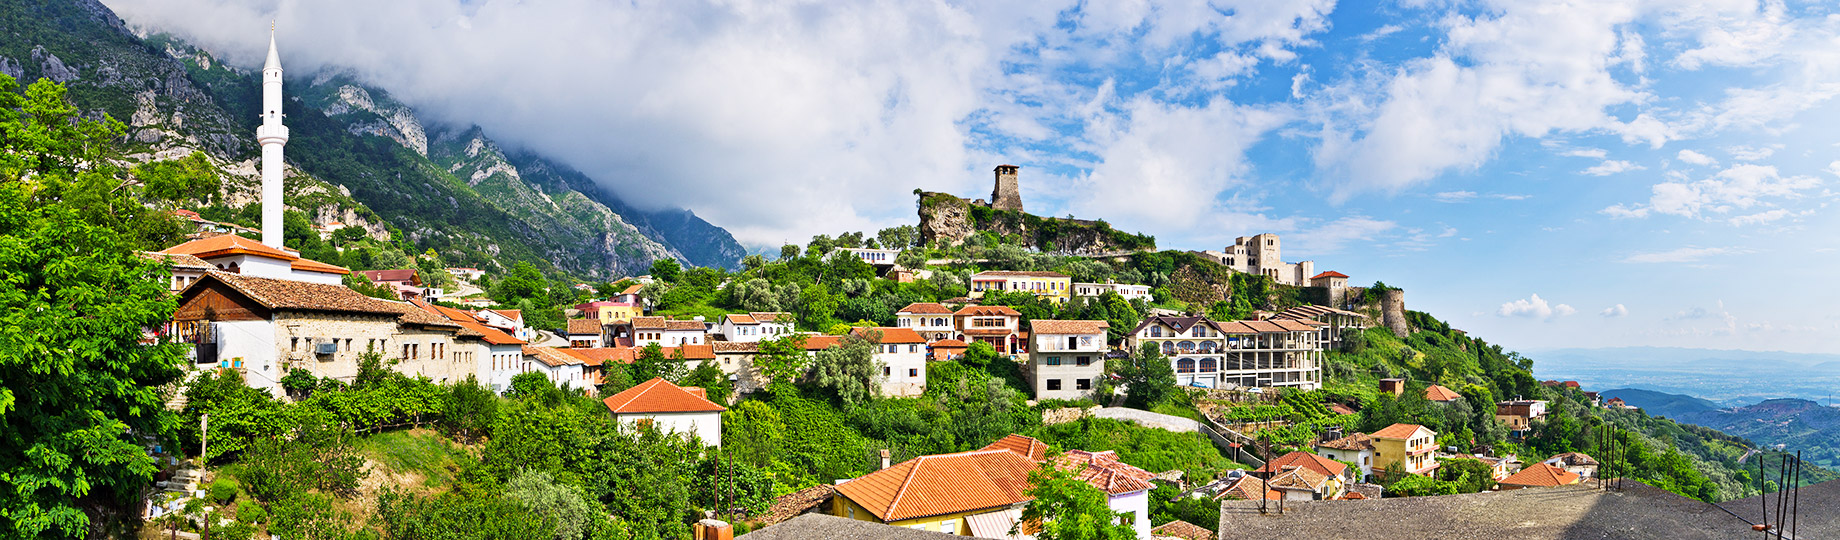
(1614, 311)
(1750, 153)
(1334, 236)
(1680, 255)
(1534, 307)
(1739, 187)
(1609, 167)
(1695, 158)
(1593, 153)
(1454, 196)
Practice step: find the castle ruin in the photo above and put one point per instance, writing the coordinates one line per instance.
(1007, 195)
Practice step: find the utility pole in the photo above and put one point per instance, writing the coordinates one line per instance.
(204, 436)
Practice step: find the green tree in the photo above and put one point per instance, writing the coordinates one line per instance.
(468, 409)
(1071, 509)
(980, 354)
(666, 270)
(782, 361)
(849, 371)
(541, 495)
(788, 252)
(751, 431)
(712, 380)
(525, 282)
(78, 386)
(1148, 378)
(899, 238)
(817, 307)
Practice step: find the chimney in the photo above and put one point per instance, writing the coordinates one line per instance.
(884, 458)
(712, 529)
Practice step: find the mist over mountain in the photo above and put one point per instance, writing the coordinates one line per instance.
(1725, 377)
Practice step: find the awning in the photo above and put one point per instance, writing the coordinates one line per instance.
(997, 524)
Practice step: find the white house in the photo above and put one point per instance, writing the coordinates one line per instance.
(510, 321)
(562, 369)
(933, 321)
(669, 408)
(1357, 449)
(1127, 488)
(753, 327)
(1126, 290)
(585, 333)
(902, 353)
(663, 331)
(1067, 357)
(238, 255)
(876, 257)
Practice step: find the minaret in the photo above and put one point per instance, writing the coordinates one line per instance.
(272, 135)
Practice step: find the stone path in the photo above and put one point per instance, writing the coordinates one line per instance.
(1149, 419)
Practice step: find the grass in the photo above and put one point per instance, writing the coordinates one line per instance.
(415, 452)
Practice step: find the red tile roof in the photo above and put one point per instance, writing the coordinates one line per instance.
(1104, 471)
(650, 323)
(1247, 488)
(926, 308)
(552, 357)
(1439, 393)
(1044, 326)
(819, 343)
(601, 355)
(943, 484)
(310, 265)
(988, 310)
(658, 396)
(467, 321)
(1183, 530)
(1355, 442)
(229, 244)
(1542, 475)
(685, 325)
(1022, 445)
(584, 326)
(1322, 465)
(890, 335)
(1398, 431)
(741, 318)
(950, 344)
(1330, 273)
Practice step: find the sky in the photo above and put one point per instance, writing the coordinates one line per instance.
(1541, 174)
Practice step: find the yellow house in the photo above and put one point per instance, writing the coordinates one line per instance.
(610, 312)
(1410, 444)
(1053, 286)
(978, 493)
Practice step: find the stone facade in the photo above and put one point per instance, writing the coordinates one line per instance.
(1393, 312)
(1007, 195)
(1261, 254)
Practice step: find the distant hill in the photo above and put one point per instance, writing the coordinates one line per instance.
(1728, 378)
(1661, 403)
(1797, 424)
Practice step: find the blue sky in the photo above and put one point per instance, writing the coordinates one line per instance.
(1543, 174)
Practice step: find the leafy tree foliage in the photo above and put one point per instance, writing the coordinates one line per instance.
(666, 270)
(1071, 509)
(849, 371)
(1148, 378)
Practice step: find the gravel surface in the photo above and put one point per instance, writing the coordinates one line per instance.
(1149, 419)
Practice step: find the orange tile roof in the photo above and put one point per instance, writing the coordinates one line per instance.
(943, 484)
(691, 352)
(649, 323)
(741, 318)
(1439, 393)
(1104, 471)
(988, 310)
(735, 346)
(1542, 475)
(584, 326)
(1398, 431)
(305, 296)
(950, 344)
(467, 321)
(310, 265)
(819, 343)
(1044, 326)
(890, 335)
(1330, 273)
(1299, 478)
(229, 244)
(513, 314)
(552, 357)
(632, 289)
(601, 355)
(1247, 488)
(685, 325)
(658, 396)
(1183, 530)
(1322, 465)
(1022, 445)
(926, 308)
(768, 316)
(177, 261)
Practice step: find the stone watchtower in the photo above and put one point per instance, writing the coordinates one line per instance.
(1007, 196)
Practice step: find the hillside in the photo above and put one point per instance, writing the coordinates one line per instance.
(1674, 406)
(348, 139)
(1797, 424)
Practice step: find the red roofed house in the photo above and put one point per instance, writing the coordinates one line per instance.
(1336, 283)
(752, 327)
(1067, 358)
(492, 355)
(669, 408)
(1357, 449)
(405, 281)
(994, 325)
(1441, 394)
(1408, 444)
(947, 349)
(238, 255)
(1540, 475)
(902, 353)
(933, 321)
(979, 493)
(1127, 488)
(1331, 477)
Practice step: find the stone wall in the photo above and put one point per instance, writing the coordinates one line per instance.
(1393, 312)
(1008, 194)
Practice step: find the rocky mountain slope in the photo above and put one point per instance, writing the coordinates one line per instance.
(357, 156)
(1661, 403)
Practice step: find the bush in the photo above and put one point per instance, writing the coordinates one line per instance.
(222, 490)
(250, 512)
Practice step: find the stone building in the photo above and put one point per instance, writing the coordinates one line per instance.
(1067, 358)
(1260, 254)
(1007, 195)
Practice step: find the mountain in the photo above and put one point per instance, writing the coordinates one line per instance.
(372, 159)
(1797, 424)
(1728, 378)
(1661, 403)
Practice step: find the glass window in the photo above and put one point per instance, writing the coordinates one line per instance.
(1083, 361)
(1054, 384)
(913, 372)
(1054, 360)
(1082, 384)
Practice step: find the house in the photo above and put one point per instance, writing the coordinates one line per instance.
(563, 369)
(468, 274)
(737, 359)
(1328, 478)
(238, 255)
(507, 320)
(1539, 475)
(978, 493)
(185, 269)
(584, 333)
(1333, 322)
(1441, 394)
(1129, 292)
(663, 331)
(495, 354)
(1127, 488)
(879, 258)
(1358, 449)
(1209, 354)
(997, 326)
(751, 327)
(1500, 468)
(1519, 414)
(1410, 445)
(946, 349)
(610, 311)
(1575, 463)
(405, 281)
(1067, 358)
(1335, 283)
(1248, 488)
(670, 408)
(1396, 387)
(934, 322)
(1594, 398)
(263, 327)
(1053, 286)
(1617, 403)
(902, 354)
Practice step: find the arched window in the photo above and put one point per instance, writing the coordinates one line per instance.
(1186, 346)
(1185, 365)
(1207, 347)
(1209, 365)
(939, 321)
(1169, 348)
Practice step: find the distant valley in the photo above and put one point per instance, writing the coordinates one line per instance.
(1797, 424)
(1725, 378)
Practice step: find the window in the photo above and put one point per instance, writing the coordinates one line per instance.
(913, 372)
(1083, 361)
(887, 372)
(1156, 331)
(913, 348)
(1082, 384)
(1054, 384)
(1054, 360)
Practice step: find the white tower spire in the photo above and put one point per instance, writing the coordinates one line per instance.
(273, 136)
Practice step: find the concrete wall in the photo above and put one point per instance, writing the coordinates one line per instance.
(1069, 372)
(254, 342)
(1138, 505)
(898, 381)
(297, 334)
